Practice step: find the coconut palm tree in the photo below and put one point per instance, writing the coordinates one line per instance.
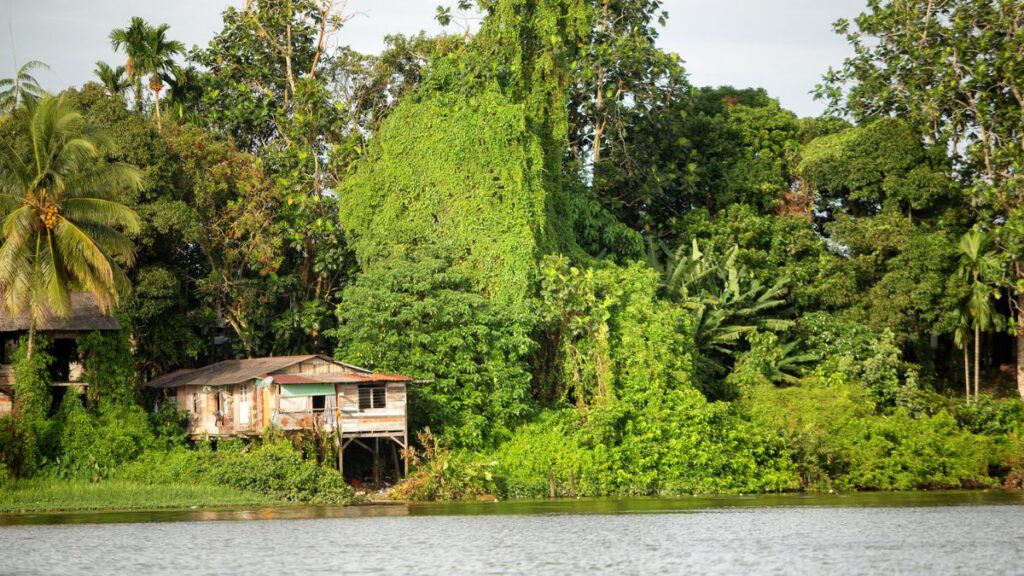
(22, 88)
(150, 53)
(133, 40)
(157, 60)
(979, 263)
(114, 80)
(61, 223)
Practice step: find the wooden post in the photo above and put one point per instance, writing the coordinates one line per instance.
(405, 431)
(376, 461)
(339, 434)
(551, 485)
(341, 457)
(394, 454)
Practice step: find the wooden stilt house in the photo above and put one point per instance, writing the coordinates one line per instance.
(312, 393)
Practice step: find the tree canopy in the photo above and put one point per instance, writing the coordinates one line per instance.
(605, 276)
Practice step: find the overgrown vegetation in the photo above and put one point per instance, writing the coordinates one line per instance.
(274, 469)
(613, 281)
(40, 495)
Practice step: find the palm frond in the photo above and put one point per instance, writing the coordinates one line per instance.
(61, 219)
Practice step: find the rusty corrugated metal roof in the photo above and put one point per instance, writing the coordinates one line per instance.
(231, 372)
(295, 379)
(235, 371)
(374, 378)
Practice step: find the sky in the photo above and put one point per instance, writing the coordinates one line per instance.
(783, 46)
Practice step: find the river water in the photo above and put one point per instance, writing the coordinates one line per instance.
(916, 533)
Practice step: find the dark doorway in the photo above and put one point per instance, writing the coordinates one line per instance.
(64, 351)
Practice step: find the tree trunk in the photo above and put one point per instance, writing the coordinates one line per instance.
(967, 373)
(31, 339)
(599, 115)
(977, 360)
(1020, 345)
(137, 88)
(598, 127)
(156, 96)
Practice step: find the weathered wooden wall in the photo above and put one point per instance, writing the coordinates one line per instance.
(316, 366)
(391, 418)
(205, 422)
(6, 404)
(6, 389)
(292, 413)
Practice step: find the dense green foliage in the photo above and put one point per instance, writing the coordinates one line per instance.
(422, 317)
(606, 280)
(838, 441)
(461, 177)
(273, 468)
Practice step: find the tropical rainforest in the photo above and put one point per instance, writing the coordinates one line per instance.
(615, 281)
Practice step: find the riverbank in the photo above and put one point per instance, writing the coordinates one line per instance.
(59, 496)
(54, 495)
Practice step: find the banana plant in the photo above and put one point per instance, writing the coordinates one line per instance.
(727, 302)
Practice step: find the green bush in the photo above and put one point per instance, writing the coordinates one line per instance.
(275, 469)
(92, 445)
(837, 439)
(32, 382)
(170, 425)
(898, 452)
(990, 416)
(18, 448)
(108, 367)
(549, 446)
(443, 474)
(676, 442)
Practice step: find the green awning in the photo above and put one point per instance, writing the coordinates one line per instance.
(293, 390)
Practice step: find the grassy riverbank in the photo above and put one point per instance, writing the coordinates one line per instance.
(37, 495)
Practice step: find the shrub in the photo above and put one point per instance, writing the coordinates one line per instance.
(898, 452)
(108, 367)
(92, 445)
(837, 440)
(550, 447)
(32, 381)
(677, 442)
(170, 425)
(18, 451)
(443, 474)
(990, 416)
(275, 469)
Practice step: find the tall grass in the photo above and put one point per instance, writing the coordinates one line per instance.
(52, 494)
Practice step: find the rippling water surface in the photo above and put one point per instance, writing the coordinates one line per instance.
(958, 533)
